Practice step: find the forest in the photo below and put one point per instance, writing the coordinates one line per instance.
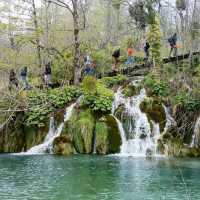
(86, 84)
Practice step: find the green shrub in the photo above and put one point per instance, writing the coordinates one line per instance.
(101, 101)
(114, 81)
(89, 85)
(188, 101)
(159, 88)
(42, 103)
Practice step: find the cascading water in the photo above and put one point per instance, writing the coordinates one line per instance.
(195, 140)
(141, 141)
(169, 119)
(46, 146)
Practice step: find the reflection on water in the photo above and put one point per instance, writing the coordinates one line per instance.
(93, 177)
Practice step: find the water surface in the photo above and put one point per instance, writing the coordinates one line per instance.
(103, 178)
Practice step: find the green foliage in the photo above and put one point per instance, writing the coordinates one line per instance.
(101, 101)
(42, 103)
(158, 87)
(62, 67)
(143, 12)
(130, 91)
(59, 97)
(96, 95)
(104, 91)
(154, 36)
(102, 58)
(89, 85)
(114, 81)
(137, 11)
(188, 101)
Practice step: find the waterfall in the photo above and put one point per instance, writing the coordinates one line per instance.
(169, 119)
(142, 141)
(195, 140)
(123, 148)
(46, 146)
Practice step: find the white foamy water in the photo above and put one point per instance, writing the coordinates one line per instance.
(143, 142)
(169, 119)
(195, 137)
(46, 146)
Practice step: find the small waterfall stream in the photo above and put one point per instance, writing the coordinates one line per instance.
(195, 140)
(142, 141)
(46, 146)
(169, 119)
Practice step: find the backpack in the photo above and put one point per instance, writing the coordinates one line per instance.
(147, 46)
(116, 53)
(23, 72)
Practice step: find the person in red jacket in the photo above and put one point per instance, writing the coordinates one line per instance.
(130, 53)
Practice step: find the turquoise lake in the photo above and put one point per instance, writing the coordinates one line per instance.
(49, 177)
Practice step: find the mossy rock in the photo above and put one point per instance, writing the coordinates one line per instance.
(172, 142)
(108, 139)
(12, 136)
(190, 152)
(16, 137)
(102, 143)
(127, 121)
(59, 116)
(114, 135)
(63, 146)
(160, 147)
(155, 111)
(80, 129)
(35, 135)
(120, 111)
(130, 90)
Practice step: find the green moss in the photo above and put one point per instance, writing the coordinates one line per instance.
(119, 112)
(108, 139)
(35, 135)
(130, 90)
(63, 146)
(102, 143)
(190, 152)
(114, 81)
(59, 116)
(80, 129)
(155, 111)
(114, 135)
(12, 136)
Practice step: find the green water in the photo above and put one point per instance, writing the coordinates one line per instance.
(92, 177)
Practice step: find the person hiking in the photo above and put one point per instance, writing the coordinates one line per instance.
(130, 59)
(13, 81)
(89, 70)
(146, 50)
(172, 41)
(93, 67)
(116, 55)
(24, 80)
(87, 60)
(47, 75)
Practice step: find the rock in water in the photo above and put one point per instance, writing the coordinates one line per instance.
(63, 146)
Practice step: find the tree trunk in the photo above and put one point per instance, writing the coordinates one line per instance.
(77, 44)
(37, 34)
(192, 33)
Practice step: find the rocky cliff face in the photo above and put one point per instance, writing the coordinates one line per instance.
(86, 133)
(15, 137)
(89, 133)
